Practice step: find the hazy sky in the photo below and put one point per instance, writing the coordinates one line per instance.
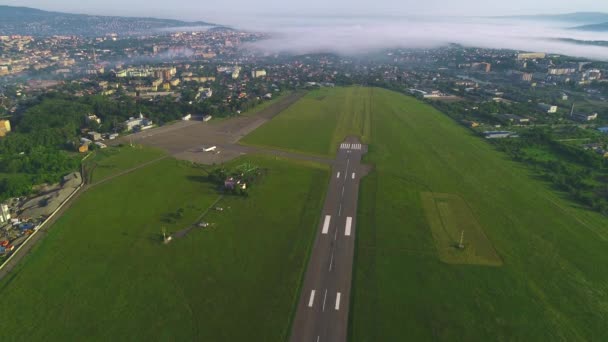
(213, 9)
(355, 26)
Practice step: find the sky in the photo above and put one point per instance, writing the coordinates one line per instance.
(237, 9)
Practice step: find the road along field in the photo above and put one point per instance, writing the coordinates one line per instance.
(103, 272)
(532, 264)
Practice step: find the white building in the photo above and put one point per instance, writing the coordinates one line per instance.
(547, 108)
(137, 123)
(5, 214)
(93, 118)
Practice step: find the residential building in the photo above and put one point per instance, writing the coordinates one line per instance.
(584, 117)
(5, 127)
(5, 214)
(499, 134)
(547, 108)
(94, 136)
(515, 118)
(258, 73)
(93, 118)
(531, 55)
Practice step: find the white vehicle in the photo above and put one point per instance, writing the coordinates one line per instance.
(210, 149)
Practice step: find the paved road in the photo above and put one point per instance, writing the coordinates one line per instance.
(322, 312)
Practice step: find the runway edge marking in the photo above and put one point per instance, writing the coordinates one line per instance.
(349, 223)
(338, 301)
(326, 224)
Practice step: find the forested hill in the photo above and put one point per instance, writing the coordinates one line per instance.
(30, 21)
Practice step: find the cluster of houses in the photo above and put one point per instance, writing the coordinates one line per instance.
(597, 148)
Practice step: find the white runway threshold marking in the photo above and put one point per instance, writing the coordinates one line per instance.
(338, 301)
(326, 224)
(349, 223)
(312, 298)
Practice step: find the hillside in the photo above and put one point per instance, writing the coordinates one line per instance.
(30, 21)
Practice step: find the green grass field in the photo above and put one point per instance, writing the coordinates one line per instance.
(318, 122)
(102, 272)
(111, 161)
(267, 103)
(552, 285)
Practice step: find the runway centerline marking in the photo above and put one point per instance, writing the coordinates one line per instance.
(353, 175)
(338, 301)
(326, 224)
(347, 165)
(343, 191)
(349, 222)
(311, 301)
(338, 175)
(340, 210)
(324, 299)
(331, 261)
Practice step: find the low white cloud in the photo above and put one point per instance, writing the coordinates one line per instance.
(353, 36)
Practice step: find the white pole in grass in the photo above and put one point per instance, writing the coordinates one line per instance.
(461, 244)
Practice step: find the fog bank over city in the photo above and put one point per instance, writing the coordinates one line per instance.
(362, 35)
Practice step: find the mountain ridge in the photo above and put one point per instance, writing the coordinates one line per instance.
(31, 21)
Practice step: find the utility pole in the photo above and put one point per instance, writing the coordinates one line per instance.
(572, 111)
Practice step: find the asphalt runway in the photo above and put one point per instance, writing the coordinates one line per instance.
(322, 312)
